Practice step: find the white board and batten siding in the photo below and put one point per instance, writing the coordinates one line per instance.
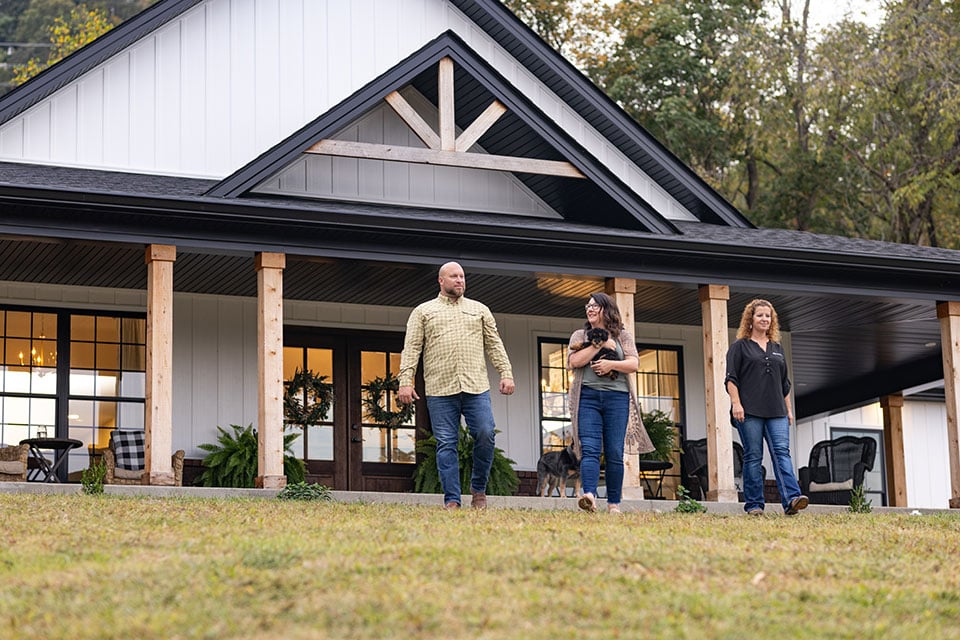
(208, 92)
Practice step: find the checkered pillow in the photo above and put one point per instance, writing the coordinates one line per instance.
(128, 447)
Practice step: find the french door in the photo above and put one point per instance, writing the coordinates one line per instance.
(347, 450)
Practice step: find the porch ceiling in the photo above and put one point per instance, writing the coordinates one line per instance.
(846, 349)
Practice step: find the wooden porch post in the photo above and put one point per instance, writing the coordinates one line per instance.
(158, 420)
(949, 314)
(622, 291)
(892, 407)
(270, 370)
(713, 308)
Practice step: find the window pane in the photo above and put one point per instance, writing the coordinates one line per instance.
(375, 444)
(133, 384)
(81, 355)
(43, 411)
(373, 364)
(44, 325)
(107, 383)
(18, 324)
(108, 356)
(80, 413)
(555, 434)
(668, 362)
(108, 329)
(648, 361)
(44, 353)
(296, 447)
(320, 443)
(404, 442)
(395, 364)
(292, 361)
(3, 323)
(17, 351)
(82, 328)
(106, 414)
(133, 357)
(82, 383)
(17, 380)
(133, 330)
(131, 415)
(16, 411)
(320, 361)
(43, 381)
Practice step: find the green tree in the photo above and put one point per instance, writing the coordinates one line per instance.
(79, 27)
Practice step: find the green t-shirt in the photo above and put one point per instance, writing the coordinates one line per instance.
(605, 383)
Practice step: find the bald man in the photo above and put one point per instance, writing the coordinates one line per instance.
(453, 333)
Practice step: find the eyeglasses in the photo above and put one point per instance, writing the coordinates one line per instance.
(591, 305)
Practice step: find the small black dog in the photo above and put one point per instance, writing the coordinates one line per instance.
(554, 469)
(596, 337)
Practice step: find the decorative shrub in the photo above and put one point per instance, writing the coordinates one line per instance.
(91, 480)
(663, 434)
(426, 479)
(233, 462)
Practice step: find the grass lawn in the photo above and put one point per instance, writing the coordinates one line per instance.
(119, 567)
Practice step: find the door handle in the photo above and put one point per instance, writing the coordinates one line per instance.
(355, 439)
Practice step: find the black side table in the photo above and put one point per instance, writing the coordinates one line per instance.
(60, 447)
(654, 466)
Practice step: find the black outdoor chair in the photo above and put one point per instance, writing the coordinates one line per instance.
(696, 476)
(836, 468)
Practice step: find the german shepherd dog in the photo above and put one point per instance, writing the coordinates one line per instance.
(597, 336)
(554, 469)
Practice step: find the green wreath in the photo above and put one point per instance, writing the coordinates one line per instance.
(374, 401)
(307, 398)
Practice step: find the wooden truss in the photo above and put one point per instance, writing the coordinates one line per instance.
(446, 147)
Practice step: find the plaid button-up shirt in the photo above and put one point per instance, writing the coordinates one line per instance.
(452, 335)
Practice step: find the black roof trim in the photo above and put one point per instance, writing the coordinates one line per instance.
(447, 44)
(79, 62)
(598, 108)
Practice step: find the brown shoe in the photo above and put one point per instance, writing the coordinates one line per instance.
(451, 506)
(479, 500)
(755, 512)
(797, 505)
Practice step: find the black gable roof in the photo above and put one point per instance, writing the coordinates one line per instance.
(500, 24)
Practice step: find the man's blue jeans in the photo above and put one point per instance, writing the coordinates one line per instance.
(445, 412)
(776, 431)
(602, 423)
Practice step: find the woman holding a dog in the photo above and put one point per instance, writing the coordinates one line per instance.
(604, 411)
(760, 406)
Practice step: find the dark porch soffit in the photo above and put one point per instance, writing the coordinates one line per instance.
(623, 207)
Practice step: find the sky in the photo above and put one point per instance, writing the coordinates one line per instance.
(826, 12)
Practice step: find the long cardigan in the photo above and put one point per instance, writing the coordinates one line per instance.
(637, 440)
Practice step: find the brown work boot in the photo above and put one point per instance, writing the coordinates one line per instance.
(479, 499)
(451, 506)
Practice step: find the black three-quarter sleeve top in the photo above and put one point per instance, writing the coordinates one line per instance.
(761, 377)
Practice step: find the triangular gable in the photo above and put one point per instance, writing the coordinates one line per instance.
(598, 198)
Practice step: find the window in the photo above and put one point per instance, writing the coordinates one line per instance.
(315, 441)
(660, 380)
(659, 386)
(71, 374)
(383, 443)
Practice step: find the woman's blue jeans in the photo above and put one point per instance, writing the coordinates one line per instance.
(602, 424)
(445, 412)
(776, 431)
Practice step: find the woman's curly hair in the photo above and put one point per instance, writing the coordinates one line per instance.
(746, 320)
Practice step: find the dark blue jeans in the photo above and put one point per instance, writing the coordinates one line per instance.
(602, 424)
(776, 431)
(445, 412)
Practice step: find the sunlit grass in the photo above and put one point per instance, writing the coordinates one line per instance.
(114, 567)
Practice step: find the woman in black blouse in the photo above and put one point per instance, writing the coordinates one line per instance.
(760, 396)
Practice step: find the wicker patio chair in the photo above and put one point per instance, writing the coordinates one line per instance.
(13, 463)
(124, 459)
(836, 468)
(696, 476)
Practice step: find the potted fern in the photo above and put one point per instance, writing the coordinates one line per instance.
(503, 479)
(232, 462)
(663, 435)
